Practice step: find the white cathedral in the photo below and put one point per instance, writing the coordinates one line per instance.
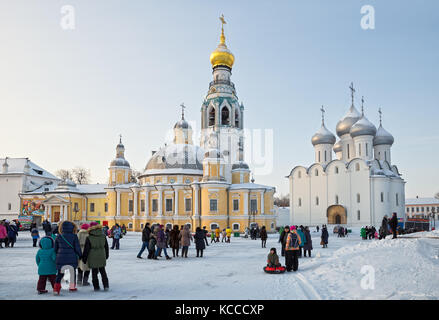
(359, 187)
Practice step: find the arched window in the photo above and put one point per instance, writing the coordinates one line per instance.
(214, 226)
(336, 170)
(358, 215)
(326, 157)
(357, 167)
(358, 198)
(300, 202)
(236, 118)
(382, 196)
(336, 199)
(235, 226)
(397, 200)
(299, 174)
(319, 156)
(225, 116)
(349, 154)
(317, 201)
(367, 149)
(359, 149)
(317, 172)
(212, 117)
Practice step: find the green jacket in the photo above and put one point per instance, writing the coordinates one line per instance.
(273, 259)
(363, 232)
(96, 248)
(46, 257)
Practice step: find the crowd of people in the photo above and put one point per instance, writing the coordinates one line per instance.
(83, 250)
(387, 226)
(8, 232)
(157, 239)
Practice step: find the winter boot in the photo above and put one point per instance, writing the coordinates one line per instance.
(56, 288)
(96, 284)
(79, 280)
(42, 291)
(168, 258)
(72, 287)
(85, 282)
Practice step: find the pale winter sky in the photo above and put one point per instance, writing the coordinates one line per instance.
(66, 95)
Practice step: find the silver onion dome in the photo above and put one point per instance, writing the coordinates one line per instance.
(345, 124)
(338, 147)
(323, 136)
(119, 162)
(240, 165)
(363, 127)
(176, 156)
(182, 124)
(383, 137)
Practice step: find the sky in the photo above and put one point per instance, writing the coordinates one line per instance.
(125, 68)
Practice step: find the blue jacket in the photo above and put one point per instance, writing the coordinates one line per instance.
(116, 233)
(67, 247)
(302, 237)
(46, 257)
(34, 233)
(12, 233)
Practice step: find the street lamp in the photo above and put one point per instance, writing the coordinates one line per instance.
(433, 213)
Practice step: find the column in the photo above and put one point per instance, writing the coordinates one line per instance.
(160, 213)
(135, 203)
(49, 212)
(246, 203)
(176, 202)
(61, 212)
(262, 203)
(146, 202)
(196, 208)
(46, 212)
(118, 203)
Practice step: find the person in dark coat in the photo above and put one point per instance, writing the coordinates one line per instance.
(68, 251)
(96, 254)
(263, 236)
(205, 235)
(174, 240)
(199, 242)
(393, 223)
(12, 234)
(47, 227)
(283, 239)
(161, 243)
(307, 247)
(152, 244)
(35, 235)
(384, 228)
(325, 237)
(146, 234)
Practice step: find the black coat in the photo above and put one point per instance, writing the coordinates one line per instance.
(199, 240)
(283, 237)
(393, 223)
(325, 235)
(146, 234)
(67, 247)
(47, 227)
(263, 234)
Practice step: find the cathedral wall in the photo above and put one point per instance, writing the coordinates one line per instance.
(359, 185)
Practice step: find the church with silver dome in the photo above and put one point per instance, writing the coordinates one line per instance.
(357, 187)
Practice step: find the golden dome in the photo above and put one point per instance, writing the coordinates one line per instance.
(222, 55)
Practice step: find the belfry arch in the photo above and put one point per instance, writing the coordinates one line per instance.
(336, 214)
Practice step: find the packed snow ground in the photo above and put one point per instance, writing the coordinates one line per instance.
(404, 269)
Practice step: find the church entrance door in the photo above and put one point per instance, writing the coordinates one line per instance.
(336, 214)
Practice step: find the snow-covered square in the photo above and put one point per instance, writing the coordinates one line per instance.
(405, 268)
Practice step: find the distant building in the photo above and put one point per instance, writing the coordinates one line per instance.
(421, 207)
(19, 175)
(282, 216)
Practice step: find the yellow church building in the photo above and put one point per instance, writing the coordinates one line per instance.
(182, 184)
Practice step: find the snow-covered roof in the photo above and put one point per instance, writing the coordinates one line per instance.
(421, 201)
(17, 166)
(67, 188)
(249, 186)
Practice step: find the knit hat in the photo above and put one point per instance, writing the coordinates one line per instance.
(293, 227)
(93, 223)
(85, 226)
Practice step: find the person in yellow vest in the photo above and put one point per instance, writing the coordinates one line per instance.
(229, 234)
(217, 234)
(292, 247)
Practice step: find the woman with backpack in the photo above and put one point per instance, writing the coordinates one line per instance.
(292, 246)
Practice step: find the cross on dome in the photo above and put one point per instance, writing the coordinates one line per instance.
(323, 115)
(352, 92)
(182, 110)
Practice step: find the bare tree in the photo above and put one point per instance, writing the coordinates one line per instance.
(81, 175)
(436, 195)
(64, 174)
(282, 201)
(134, 175)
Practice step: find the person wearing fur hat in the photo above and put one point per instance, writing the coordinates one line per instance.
(68, 251)
(292, 246)
(83, 269)
(45, 260)
(12, 234)
(96, 254)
